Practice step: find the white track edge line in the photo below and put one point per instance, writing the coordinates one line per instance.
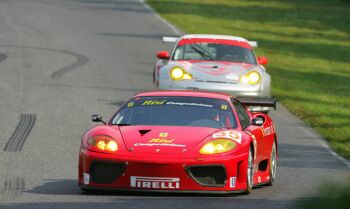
(325, 144)
(319, 138)
(171, 26)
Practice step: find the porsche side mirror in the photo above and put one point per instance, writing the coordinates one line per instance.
(97, 118)
(262, 60)
(258, 121)
(164, 55)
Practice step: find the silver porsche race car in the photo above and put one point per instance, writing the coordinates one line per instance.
(213, 63)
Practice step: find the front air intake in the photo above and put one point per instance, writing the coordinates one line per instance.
(209, 175)
(106, 172)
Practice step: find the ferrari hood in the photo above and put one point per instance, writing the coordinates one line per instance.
(215, 70)
(163, 139)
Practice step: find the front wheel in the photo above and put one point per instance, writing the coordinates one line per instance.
(250, 172)
(273, 164)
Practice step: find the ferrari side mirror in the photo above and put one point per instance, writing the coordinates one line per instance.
(97, 118)
(262, 60)
(258, 121)
(164, 55)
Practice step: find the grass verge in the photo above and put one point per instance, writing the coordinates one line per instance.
(308, 46)
(330, 195)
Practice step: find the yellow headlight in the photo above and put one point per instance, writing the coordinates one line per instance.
(254, 77)
(244, 79)
(251, 78)
(178, 74)
(218, 146)
(112, 146)
(103, 143)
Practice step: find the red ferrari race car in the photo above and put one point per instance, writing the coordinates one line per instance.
(186, 141)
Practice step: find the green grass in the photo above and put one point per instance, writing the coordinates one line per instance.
(308, 46)
(331, 195)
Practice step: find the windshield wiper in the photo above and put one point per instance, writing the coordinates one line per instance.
(123, 124)
(201, 51)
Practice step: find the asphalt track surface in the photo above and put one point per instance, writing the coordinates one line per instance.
(61, 61)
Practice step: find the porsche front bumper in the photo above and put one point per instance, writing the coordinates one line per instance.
(235, 89)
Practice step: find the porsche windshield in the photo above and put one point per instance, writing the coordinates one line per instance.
(213, 51)
(176, 111)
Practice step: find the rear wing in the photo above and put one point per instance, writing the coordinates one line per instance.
(260, 102)
(253, 44)
(168, 39)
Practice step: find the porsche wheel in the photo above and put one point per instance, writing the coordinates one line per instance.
(250, 172)
(273, 164)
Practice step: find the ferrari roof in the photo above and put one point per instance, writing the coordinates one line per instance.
(212, 36)
(187, 93)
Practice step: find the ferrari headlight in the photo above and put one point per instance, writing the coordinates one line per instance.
(217, 146)
(103, 143)
(178, 74)
(252, 77)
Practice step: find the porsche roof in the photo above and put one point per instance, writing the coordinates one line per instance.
(211, 36)
(188, 93)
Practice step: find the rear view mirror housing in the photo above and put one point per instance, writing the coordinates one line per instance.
(263, 60)
(258, 121)
(163, 55)
(97, 118)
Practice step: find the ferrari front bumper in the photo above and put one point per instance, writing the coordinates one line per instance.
(132, 173)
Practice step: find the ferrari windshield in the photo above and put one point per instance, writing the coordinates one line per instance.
(214, 51)
(176, 111)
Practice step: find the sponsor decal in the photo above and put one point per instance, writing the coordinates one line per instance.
(259, 179)
(224, 107)
(130, 104)
(163, 134)
(158, 145)
(144, 182)
(86, 178)
(158, 140)
(232, 182)
(153, 102)
(268, 130)
(189, 104)
(232, 76)
(234, 135)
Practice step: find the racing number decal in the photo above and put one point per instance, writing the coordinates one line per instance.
(234, 135)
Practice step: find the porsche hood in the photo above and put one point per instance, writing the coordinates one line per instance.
(163, 139)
